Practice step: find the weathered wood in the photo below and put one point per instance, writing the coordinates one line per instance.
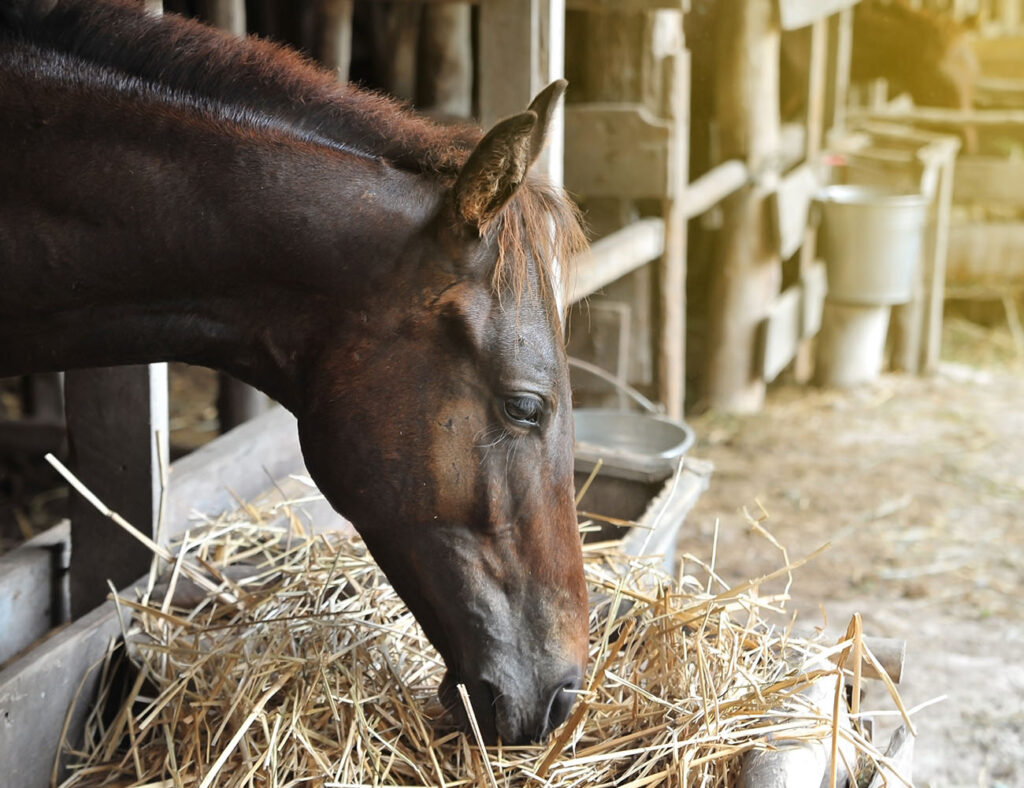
(396, 30)
(935, 261)
(32, 589)
(791, 205)
(236, 466)
(113, 416)
(445, 65)
(334, 35)
(840, 56)
(799, 763)
(714, 186)
(814, 281)
(38, 689)
(946, 117)
(616, 255)
(989, 179)
(32, 436)
(747, 273)
(803, 364)
(521, 50)
(781, 332)
(989, 252)
(899, 761)
(672, 267)
(794, 14)
(226, 14)
(618, 150)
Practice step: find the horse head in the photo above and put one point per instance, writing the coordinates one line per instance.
(448, 396)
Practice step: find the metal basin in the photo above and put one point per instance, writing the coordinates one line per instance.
(637, 446)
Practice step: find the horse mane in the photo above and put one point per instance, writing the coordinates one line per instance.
(192, 59)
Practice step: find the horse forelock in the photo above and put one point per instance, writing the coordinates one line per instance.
(540, 226)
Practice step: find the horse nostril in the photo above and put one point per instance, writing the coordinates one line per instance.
(560, 704)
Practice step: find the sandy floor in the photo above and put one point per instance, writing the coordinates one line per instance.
(918, 484)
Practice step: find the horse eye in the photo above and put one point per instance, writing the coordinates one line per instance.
(524, 410)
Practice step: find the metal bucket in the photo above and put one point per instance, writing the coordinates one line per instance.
(871, 241)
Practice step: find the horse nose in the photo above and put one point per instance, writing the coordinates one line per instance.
(560, 703)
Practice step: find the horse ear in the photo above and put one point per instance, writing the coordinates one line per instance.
(500, 161)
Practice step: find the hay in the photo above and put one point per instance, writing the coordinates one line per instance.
(311, 671)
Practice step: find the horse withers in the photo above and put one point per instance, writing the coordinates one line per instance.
(220, 202)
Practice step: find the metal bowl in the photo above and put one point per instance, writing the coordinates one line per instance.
(630, 445)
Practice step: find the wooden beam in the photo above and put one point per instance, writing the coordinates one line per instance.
(226, 14)
(781, 333)
(714, 186)
(618, 254)
(33, 436)
(945, 117)
(334, 35)
(33, 596)
(840, 54)
(618, 149)
(794, 14)
(747, 274)
(521, 50)
(989, 179)
(791, 208)
(986, 252)
(113, 417)
(672, 267)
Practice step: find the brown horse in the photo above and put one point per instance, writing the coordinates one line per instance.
(194, 197)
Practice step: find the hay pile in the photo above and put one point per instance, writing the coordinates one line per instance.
(312, 672)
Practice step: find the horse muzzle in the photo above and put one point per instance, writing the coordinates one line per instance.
(512, 710)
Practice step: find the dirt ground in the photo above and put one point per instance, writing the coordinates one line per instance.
(918, 484)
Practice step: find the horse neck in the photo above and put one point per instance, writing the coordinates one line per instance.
(137, 234)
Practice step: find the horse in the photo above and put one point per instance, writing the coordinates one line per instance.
(174, 193)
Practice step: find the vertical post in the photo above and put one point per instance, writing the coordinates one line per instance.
(803, 365)
(522, 49)
(672, 271)
(334, 35)
(748, 272)
(113, 415)
(839, 67)
(935, 271)
(446, 60)
(226, 14)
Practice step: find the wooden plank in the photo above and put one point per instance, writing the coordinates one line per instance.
(672, 267)
(945, 117)
(32, 598)
(747, 274)
(781, 332)
(619, 6)
(792, 206)
(113, 416)
(989, 179)
(936, 262)
(794, 14)
(986, 252)
(815, 286)
(334, 35)
(618, 150)
(226, 14)
(32, 436)
(37, 690)
(521, 50)
(616, 255)
(714, 186)
(236, 466)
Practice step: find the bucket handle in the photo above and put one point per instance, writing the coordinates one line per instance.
(625, 388)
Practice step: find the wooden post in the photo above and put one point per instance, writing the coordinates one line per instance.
(839, 67)
(935, 269)
(237, 402)
(522, 49)
(334, 35)
(803, 365)
(748, 273)
(672, 271)
(113, 415)
(226, 14)
(445, 82)
(396, 30)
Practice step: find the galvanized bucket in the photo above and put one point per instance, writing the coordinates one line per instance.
(871, 241)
